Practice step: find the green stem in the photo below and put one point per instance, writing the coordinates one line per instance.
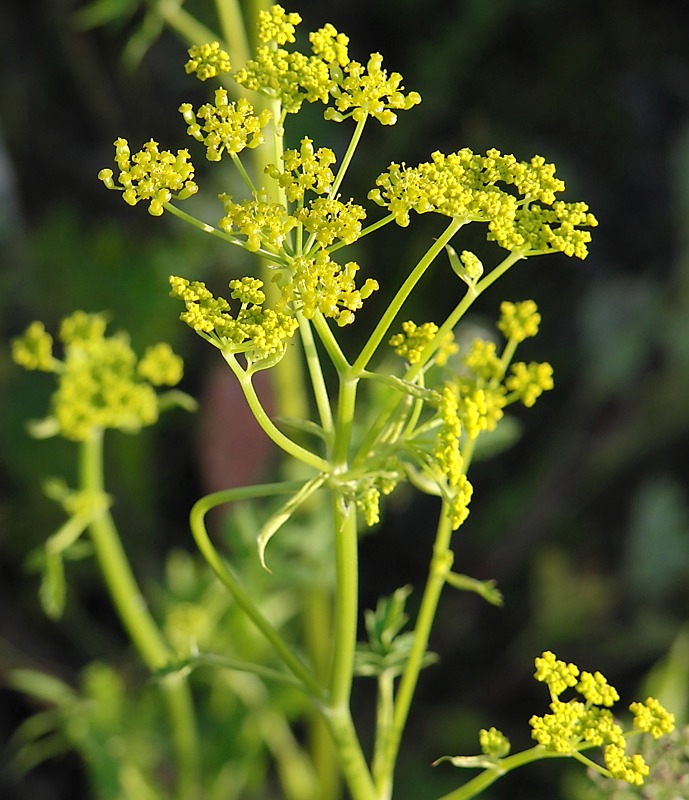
(337, 712)
(244, 174)
(267, 424)
(138, 622)
(344, 166)
(243, 600)
(427, 353)
(346, 600)
(313, 363)
(331, 344)
(217, 233)
(365, 232)
(482, 781)
(184, 24)
(403, 293)
(441, 562)
(384, 722)
(233, 30)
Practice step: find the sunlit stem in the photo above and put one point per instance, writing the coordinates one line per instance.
(223, 572)
(486, 778)
(313, 363)
(403, 293)
(267, 424)
(441, 562)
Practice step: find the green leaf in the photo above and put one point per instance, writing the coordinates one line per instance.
(273, 525)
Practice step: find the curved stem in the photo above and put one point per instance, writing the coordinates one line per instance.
(138, 622)
(223, 572)
(267, 424)
(217, 233)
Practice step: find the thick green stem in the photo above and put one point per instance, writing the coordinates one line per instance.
(346, 601)
(138, 622)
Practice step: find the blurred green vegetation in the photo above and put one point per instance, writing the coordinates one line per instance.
(584, 523)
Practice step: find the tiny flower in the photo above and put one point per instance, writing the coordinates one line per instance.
(224, 126)
(276, 25)
(529, 381)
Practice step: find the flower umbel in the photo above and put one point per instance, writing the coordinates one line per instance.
(151, 174)
(101, 383)
(226, 127)
(260, 334)
(574, 726)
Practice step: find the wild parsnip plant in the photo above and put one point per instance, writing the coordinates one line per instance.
(368, 427)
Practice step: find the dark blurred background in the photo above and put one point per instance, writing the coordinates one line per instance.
(584, 523)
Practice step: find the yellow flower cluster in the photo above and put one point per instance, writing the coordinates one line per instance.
(34, 350)
(322, 285)
(333, 47)
(327, 74)
(368, 492)
(370, 91)
(264, 224)
(207, 61)
(413, 339)
(575, 725)
(519, 321)
(494, 743)
(288, 76)
(277, 25)
(227, 127)
(465, 185)
(101, 384)
(448, 457)
(330, 219)
(484, 390)
(527, 382)
(151, 174)
(651, 717)
(261, 334)
(304, 170)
